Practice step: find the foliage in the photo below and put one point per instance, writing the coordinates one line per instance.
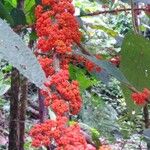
(108, 111)
(101, 116)
(137, 55)
(81, 76)
(20, 55)
(4, 85)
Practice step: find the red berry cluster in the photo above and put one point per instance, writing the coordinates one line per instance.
(66, 138)
(115, 61)
(56, 26)
(46, 64)
(90, 66)
(140, 98)
(66, 94)
(57, 30)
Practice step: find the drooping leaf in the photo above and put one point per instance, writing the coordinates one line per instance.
(135, 63)
(107, 66)
(102, 75)
(14, 50)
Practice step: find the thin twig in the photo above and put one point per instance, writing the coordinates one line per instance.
(134, 18)
(112, 11)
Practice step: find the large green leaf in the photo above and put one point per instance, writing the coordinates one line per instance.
(135, 63)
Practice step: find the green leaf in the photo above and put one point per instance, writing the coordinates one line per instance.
(135, 63)
(33, 36)
(92, 132)
(18, 16)
(4, 14)
(13, 3)
(79, 74)
(7, 69)
(10, 4)
(97, 101)
(110, 32)
(29, 9)
(95, 137)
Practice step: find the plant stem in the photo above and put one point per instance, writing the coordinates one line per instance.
(112, 11)
(134, 17)
(22, 112)
(41, 107)
(146, 116)
(14, 109)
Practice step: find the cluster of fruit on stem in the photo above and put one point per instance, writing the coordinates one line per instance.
(57, 30)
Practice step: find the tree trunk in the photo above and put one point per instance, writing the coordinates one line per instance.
(22, 112)
(14, 106)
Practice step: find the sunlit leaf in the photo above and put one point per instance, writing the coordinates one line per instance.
(79, 75)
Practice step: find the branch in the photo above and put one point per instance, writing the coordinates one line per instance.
(112, 11)
(20, 4)
(134, 17)
(146, 116)
(22, 27)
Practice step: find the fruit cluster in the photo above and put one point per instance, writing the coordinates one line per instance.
(67, 138)
(140, 98)
(57, 29)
